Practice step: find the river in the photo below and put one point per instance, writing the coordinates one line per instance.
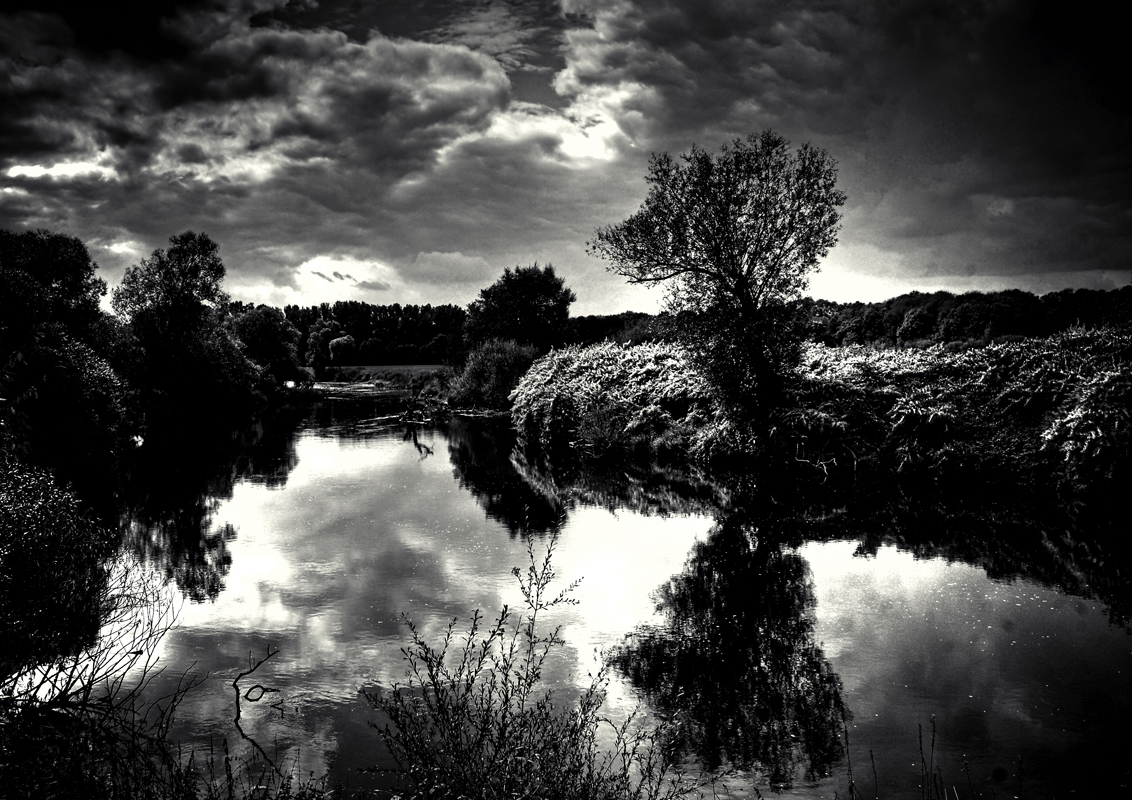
(774, 635)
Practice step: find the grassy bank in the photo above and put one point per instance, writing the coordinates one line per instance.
(1041, 411)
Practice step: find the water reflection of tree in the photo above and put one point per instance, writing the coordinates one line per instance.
(178, 481)
(480, 451)
(735, 664)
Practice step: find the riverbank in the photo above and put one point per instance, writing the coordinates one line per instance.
(1048, 413)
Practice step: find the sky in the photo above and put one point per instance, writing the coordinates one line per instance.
(408, 151)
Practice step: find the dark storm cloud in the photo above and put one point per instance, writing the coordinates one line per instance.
(324, 277)
(141, 30)
(929, 106)
(373, 286)
(278, 143)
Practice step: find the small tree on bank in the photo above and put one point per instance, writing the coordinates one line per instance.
(734, 238)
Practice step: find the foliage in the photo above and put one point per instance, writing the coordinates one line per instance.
(917, 319)
(628, 327)
(1031, 411)
(322, 333)
(1094, 427)
(174, 287)
(73, 625)
(1020, 410)
(184, 362)
(342, 349)
(50, 576)
(749, 361)
(738, 230)
(80, 419)
(491, 372)
(389, 334)
(270, 341)
(473, 722)
(529, 305)
(734, 237)
(61, 405)
(47, 278)
(75, 725)
(608, 398)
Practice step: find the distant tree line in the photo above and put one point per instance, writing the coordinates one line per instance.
(919, 319)
(352, 332)
(527, 305)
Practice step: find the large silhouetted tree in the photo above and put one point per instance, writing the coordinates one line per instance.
(184, 359)
(528, 305)
(175, 287)
(734, 238)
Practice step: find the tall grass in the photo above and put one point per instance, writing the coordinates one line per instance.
(474, 719)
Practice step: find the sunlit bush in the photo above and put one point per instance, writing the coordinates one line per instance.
(610, 397)
(1021, 407)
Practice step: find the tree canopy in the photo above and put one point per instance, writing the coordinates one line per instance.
(48, 278)
(734, 237)
(183, 359)
(270, 341)
(61, 405)
(529, 305)
(181, 281)
(744, 228)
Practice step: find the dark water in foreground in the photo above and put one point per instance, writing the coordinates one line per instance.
(756, 629)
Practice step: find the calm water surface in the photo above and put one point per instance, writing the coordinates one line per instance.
(317, 549)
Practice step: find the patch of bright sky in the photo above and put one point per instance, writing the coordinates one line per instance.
(578, 140)
(844, 286)
(325, 279)
(69, 169)
(127, 247)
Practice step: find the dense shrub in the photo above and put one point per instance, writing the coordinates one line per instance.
(1040, 412)
(1054, 406)
(610, 397)
(50, 567)
(492, 371)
